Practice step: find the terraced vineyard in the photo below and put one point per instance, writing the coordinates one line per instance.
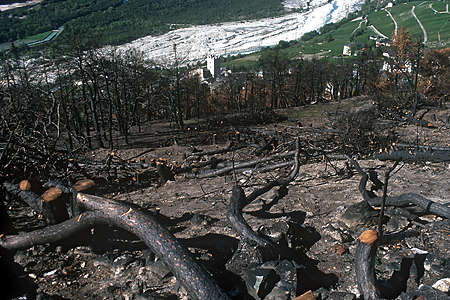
(434, 17)
(428, 21)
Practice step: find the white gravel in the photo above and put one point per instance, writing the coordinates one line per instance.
(196, 42)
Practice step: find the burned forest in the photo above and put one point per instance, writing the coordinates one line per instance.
(122, 179)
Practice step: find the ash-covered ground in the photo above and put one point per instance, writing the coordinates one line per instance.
(319, 217)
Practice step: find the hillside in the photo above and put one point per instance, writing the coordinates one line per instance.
(118, 21)
(424, 20)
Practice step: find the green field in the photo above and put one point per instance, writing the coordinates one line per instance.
(439, 6)
(36, 37)
(382, 22)
(437, 26)
(340, 37)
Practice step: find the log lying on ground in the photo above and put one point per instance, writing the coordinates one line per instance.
(401, 200)
(99, 210)
(212, 173)
(220, 151)
(213, 163)
(435, 156)
(30, 198)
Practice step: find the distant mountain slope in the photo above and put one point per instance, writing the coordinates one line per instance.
(118, 21)
(432, 15)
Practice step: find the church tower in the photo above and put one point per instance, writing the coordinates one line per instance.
(213, 65)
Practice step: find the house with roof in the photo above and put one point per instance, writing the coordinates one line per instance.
(349, 48)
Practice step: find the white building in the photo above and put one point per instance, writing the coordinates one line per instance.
(348, 48)
(213, 65)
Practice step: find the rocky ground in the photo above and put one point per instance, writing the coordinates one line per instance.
(319, 218)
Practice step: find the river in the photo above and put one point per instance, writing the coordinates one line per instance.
(196, 42)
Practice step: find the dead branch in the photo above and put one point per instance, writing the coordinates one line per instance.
(415, 155)
(220, 151)
(401, 200)
(207, 174)
(238, 201)
(100, 210)
(383, 200)
(30, 198)
(213, 163)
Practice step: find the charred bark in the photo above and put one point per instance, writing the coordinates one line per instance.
(401, 200)
(260, 249)
(435, 156)
(366, 249)
(207, 174)
(100, 210)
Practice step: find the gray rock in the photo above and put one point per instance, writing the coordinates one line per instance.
(321, 293)
(121, 262)
(248, 255)
(395, 224)
(273, 280)
(20, 257)
(260, 281)
(427, 292)
(276, 232)
(434, 263)
(104, 261)
(337, 234)
(358, 214)
(159, 268)
(341, 296)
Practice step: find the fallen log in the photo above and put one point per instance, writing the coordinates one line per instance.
(401, 200)
(100, 210)
(212, 173)
(33, 200)
(435, 156)
(213, 163)
(220, 151)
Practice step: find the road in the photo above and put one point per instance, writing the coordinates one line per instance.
(425, 36)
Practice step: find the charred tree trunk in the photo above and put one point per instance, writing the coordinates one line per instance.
(100, 210)
(366, 249)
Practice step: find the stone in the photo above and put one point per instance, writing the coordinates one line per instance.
(276, 232)
(396, 224)
(196, 220)
(426, 292)
(104, 261)
(248, 255)
(443, 285)
(281, 291)
(159, 268)
(358, 214)
(321, 293)
(337, 234)
(434, 263)
(121, 262)
(260, 281)
(280, 276)
(393, 261)
(341, 296)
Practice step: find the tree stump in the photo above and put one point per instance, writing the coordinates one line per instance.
(366, 248)
(54, 206)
